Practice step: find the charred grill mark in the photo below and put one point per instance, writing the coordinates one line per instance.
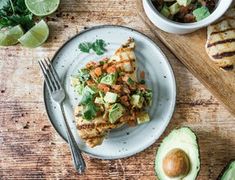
(226, 18)
(224, 54)
(93, 137)
(228, 68)
(92, 126)
(224, 31)
(221, 42)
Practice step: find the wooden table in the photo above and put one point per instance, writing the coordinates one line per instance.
(30, 147)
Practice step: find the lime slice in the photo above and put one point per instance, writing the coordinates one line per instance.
(42, 7)
(36, 36)
(10, 36)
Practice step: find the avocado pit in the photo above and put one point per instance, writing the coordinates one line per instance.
(176, 163)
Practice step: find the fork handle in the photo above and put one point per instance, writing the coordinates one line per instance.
(78, 160)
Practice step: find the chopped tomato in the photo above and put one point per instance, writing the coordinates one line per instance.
(142, 75)
(111, 69)
(125, 100)
(90, 82)
(93, 75)
(142, 87)
(105, 66)
(98, 71)
(103, 87)
(117, 87)
(91, 64)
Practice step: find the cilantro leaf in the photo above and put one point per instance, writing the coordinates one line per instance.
(89, 108)
(90, 111)
(83, 75)
(99, 46)
(86, 98)
(15, 12)
(85, 47)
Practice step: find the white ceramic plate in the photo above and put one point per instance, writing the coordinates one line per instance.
(125, 141)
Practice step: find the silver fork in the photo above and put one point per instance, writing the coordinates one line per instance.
(58, 95)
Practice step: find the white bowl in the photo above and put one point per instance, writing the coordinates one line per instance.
(183, 28)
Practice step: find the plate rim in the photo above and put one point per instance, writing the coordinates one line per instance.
(168, 64)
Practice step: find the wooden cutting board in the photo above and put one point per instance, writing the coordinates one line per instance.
(190, 50)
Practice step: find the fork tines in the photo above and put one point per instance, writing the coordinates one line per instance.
(50, 75)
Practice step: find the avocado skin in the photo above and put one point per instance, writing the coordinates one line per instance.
(197, 146)
(225, 169)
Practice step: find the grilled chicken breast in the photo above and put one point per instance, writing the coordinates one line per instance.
(220, 44)
(93, 132)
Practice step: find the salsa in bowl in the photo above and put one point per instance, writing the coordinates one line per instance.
(184, 19)
(185, 11)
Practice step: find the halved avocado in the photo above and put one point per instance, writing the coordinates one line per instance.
(178, 156)
(228, 173)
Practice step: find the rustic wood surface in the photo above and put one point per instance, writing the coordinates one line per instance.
(30, 147)
(220, 83)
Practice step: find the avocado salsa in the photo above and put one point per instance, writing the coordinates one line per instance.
(108, 90)
(185, 11)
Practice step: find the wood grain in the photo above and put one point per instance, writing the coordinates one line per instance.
(190, 50)
(30, 147)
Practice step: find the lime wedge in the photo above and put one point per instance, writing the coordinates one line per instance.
(42, 7)
(36, 36)
(10, 36)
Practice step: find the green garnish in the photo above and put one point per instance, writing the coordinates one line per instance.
(98, 47)
(130, 81)
(116, 111)
(142, 81)
(90, 111)
(148, 95)
(109, 79)
(89, 108)
(15, 12)
(83, 75)
(85, 47)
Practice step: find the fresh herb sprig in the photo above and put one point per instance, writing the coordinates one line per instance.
(98, 47)
(15, 12)
(90, 109)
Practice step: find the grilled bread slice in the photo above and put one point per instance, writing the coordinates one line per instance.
(93, 132)
(220, 44)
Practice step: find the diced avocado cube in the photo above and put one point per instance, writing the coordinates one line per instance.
(137, 101)
(165, 11)
(74, 81)
(109, 79)
(79, 88)
(184, 2)
(174, 8)
(99, 100)
(90, 90)
(143, 117)
(110, 97)
(201, 13)
(116, 111)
